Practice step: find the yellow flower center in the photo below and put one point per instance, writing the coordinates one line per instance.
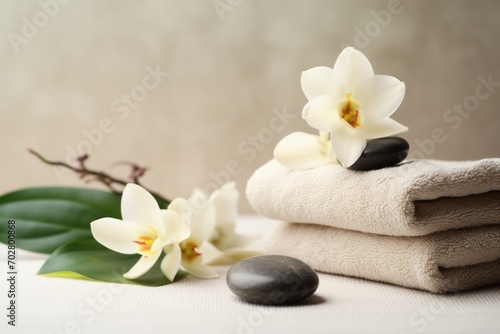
(349, 110)
(144, 243)
(190, 251)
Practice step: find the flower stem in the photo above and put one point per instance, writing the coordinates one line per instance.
(93, 175)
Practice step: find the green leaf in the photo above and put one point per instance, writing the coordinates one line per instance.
(161, 202)
(88, 260)
(47, 217)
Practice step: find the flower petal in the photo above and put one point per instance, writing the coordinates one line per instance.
(175, 228)
(198, 202)
(200, 270)
(157, 245)
(347, 143)
(352, 66)
(119, 235)
(171, 263)
(198, 213)
(234, 255)
(300, 150)
(202, 218)
(380, 96)
(179, 205)
(235, 240)
(321, 112)
(209, 252)
(316, 81)
(143, 265)
(140, 207)
(225, 201)
(385, 128)
(203, 224)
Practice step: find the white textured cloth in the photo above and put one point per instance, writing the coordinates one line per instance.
(442, 262)
(340, 305)
(415, 198)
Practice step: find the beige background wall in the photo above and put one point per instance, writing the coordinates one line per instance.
(229, 74)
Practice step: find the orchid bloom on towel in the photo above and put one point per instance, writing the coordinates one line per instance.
(300, 150)
(351, 103)
(144, 230)
(199, 215)
(230, 245)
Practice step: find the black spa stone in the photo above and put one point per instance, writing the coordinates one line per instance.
(382, 152)
(272, 280)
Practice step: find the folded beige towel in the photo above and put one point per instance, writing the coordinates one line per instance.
(415, 198)
(448, 261)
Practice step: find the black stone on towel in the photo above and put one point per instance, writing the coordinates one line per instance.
(272, 280)
(382, 152)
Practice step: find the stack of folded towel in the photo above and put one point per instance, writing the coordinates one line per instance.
(425, 224)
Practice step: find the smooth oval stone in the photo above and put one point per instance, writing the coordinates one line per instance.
(382, 152)
(272, 280)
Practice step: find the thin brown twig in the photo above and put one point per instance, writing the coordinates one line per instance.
(98, 176)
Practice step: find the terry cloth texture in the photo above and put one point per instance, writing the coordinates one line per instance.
(441, 262)
(414, 198)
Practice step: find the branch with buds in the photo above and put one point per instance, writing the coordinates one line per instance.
(89, 175)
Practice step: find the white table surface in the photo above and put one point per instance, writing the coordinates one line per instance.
(340, 305)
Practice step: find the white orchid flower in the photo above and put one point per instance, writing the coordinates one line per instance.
(224, 237)
(300, 150)
(144, 230)
(351, 103)
(189, 255)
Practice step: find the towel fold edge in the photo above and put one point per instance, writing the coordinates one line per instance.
(414, 262)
